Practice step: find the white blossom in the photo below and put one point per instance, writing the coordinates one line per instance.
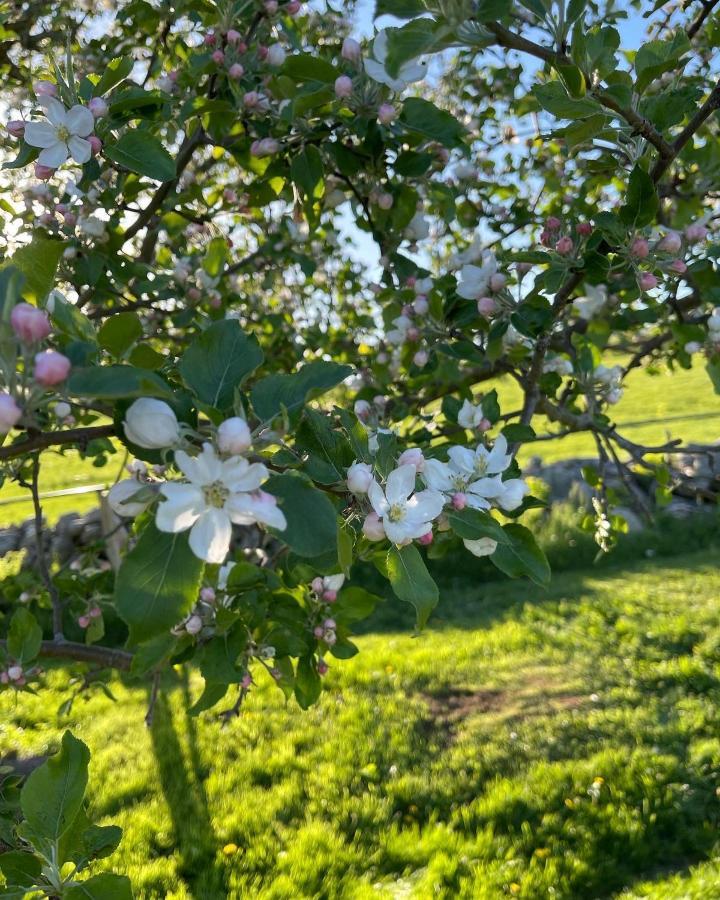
(590, 305)
(405, 515)
(474, 281)
(151, 424)
(375, 68)
(63, 135)
(470, 416)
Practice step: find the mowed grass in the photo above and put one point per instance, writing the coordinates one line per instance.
(561, 743)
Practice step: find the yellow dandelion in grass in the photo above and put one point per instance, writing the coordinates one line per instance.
(570, 803)
(389, 670)
(230, 849)
(598, 779)
(515, 888)
(542, 852)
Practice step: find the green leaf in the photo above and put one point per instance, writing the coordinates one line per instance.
(573, 79)
(20, 869)
(218, 361)
(411, 40)
(473, 524)
(52, 796)
(411, 581)
(24, 636)
(641, 201)
(354, 604)
(307, 682)
(575, 9)
(101, 887)
(520, 555)
(554, 98)
(519, 433)
(215, 257)
(38, 262)
(713, 370)
(308, 173)
(328, 452)
(120, 332)
(157, 584)
(116, 383)
(402, 9)
(656, 57)
(100, 841)
(436, 124)
(311, 518)
(305, 67)
(212, 694)
(142, 153)
(277, 392)
(218, 656)
(115, 71)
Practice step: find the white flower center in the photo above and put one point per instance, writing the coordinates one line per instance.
(459, 483)
(396, 513)
(481, 465)
(63, 133)
(216, 494)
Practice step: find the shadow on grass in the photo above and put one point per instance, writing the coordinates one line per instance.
(182, 785)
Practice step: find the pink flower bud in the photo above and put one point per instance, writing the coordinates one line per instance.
(459, 500)
(362, 410)
(484, 425)
(317, 585)
(329, 596)
(693, 233)
(84, 621)
(546, 238)
(647, 281)
(678, 265)
(264, 147)
(15, 673)
(10, 413)
(351, 50)
(95, 144)
(276, 55)
(293, 7)
(318, 631)
(94, 612)
(29, 323)
(330, 623)
(233, 36)
(497, 282)
(486, 306)
(194, 293)
(209, 39)
(343, 87)
(262, 52)
(640, 248)
(671, 243)
(16, 128)
(51, 368)
(218, 57)
(251, 99)
(246, 681)
(584, 229)
(426, 539)
(271, 7)
(4, 678)
(412, 334)
(373, 528)
(45, 89)
(98, 107)
(564, 246)
(234, 436)
(359, 479)
(522, 268)
(421, 305)
(421, 359)
(44, 173)
(385, 201)
(386, 113)
(207, 595)
(70, 219)
(322, 667)
(413, 456)
(194, 625)
(552, 223)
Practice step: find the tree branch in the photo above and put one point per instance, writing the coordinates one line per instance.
(107, 657)
(40, 440)
(706, 110)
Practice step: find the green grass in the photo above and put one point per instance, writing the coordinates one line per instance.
(563, 739)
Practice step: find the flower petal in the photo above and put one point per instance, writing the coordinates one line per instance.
(182, 507)
(497, 459)
(487, 488)
(202, 469)
(54, 155)
(54, 110)
(425, 506)
(210, 535)
(247, 509)
(400, 484)
(80, 149)
(462, 460)
(377, 499)
(437, 475)
(333, 582)
(413, 71)
(380, 46)
(40, 134)
(481, 547)
(239, 475)
(80, 121)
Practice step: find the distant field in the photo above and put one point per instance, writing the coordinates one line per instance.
(531, 744)
(653, 408)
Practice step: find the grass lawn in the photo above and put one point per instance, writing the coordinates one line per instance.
(531, 744)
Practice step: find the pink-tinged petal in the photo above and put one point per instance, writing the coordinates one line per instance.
(202, 469)
(40, 134)
(181, 508)
(246, 509)
(437, 475)
(210, 535)
(400, 484)
(54, 155)
(54, 110)
(377, 499)
(425, 506)
(239, 475)
(80, 150)
(80, 121)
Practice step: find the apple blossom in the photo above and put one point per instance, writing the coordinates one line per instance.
(343, 86)
(15, 128)
(207, 595)
(359, 478)
(420, 359)
(594, 300)
(234, 436)
(696, 232)
(670, 243)
(481, 547)
(375, 66)
(386, 113)
(565, 246)
(10, 413)
(120, 498)
(413, 456)
(693, 347)
(362, 410)
(640, 248)
(486, 306)
(51, 368)
(29, 323)
(647, 281)
(276, 55)
(215, 494)
(62, 409)
(351, 50)
(45, 89)
(470, 416)
(151, 424)
(63, 135)
(405, 515)
(98, 107)
(194, 625)
(264, 147)
(474, 281)
(420, 305)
